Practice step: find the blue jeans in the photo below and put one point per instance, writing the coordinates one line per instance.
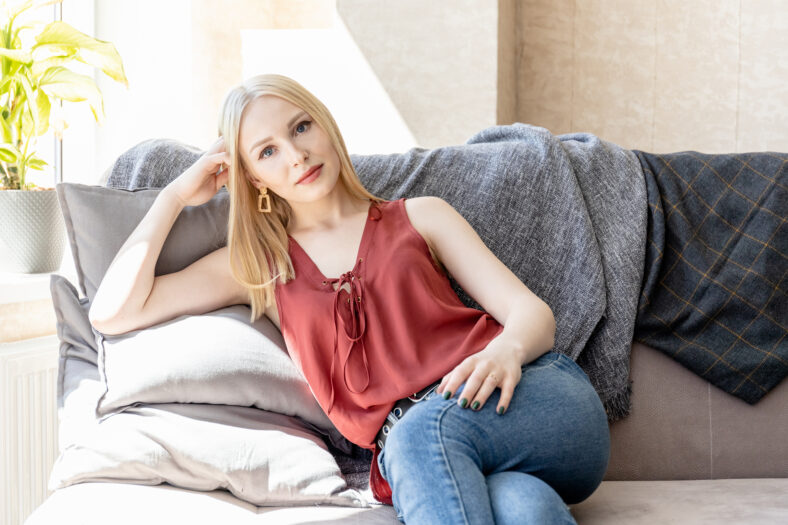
(448, 464)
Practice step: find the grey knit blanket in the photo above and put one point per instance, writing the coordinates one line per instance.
(567, 214)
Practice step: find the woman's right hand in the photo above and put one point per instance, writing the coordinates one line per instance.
(200, 182)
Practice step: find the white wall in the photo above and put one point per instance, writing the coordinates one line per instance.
(154, 40)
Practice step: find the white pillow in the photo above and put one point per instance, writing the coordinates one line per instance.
(264, 458)
(218, 358)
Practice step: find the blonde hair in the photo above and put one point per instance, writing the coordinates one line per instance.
(258, 241)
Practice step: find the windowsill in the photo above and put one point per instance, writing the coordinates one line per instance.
(30, 287)
(26, 307)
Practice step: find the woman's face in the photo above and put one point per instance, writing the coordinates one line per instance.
(279, 143)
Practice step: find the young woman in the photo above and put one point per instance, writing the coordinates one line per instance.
(504, 430)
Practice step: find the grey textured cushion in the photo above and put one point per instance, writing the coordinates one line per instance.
(99, 220)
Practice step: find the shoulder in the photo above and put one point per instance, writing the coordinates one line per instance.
(426, 214)
(424, 211)
(425, 207)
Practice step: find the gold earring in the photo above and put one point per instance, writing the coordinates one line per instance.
(263, 193)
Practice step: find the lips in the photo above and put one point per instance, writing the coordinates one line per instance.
(308, 173)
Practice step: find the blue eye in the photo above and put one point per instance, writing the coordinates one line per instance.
(302, 123)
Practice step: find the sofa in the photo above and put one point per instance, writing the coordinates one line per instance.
(687, 453)
(132, 407)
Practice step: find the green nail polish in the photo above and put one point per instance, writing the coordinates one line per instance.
(500, 411)
(475, 405)
(463, 402)
(446, 395)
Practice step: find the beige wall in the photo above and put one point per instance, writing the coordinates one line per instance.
(657, 75)
(437, 60)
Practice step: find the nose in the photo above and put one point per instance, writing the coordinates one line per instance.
(297, 155)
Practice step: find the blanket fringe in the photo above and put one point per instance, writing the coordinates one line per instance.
(618, 405)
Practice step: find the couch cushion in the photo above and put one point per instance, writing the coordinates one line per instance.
(717, 501)
(129, 504)
(726, 501)
(682, 427)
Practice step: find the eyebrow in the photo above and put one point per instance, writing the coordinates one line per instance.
(289, 124)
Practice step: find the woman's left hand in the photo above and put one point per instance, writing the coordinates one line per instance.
(496, 366)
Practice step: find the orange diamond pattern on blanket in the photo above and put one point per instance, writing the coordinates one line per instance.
(715, 292)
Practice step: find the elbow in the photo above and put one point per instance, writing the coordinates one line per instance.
(94, 318)
(99, 324)
(103, 324)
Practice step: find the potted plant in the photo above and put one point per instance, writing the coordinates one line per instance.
(34, 77)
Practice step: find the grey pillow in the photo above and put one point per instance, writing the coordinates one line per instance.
(262, 457)
(76, 334)
(99, 220)
(218, 357)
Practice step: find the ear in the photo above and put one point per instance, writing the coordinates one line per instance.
(251, 181)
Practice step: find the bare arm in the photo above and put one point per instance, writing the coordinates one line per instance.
(121, 301)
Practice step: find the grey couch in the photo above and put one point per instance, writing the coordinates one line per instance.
(691, 453)
(686, 453)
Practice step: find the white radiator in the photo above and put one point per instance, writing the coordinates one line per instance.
(28, 419)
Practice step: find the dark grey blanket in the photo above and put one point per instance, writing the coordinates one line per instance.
(567, 214)
(715, 294)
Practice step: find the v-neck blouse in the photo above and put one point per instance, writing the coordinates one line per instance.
(326, 283)
(402, 325)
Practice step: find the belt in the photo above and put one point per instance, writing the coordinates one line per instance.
(398, 412)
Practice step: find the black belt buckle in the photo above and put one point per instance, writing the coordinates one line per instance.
(398, 412)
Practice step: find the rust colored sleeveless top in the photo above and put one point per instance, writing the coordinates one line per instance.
(399, 329)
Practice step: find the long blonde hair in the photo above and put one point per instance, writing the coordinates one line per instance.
(258, 241)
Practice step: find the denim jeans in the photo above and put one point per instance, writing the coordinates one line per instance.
(448, 464)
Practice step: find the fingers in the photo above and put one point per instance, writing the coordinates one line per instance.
(217, 162)
(216, 147)
(481, 383)
(488, 383)
(478, 388)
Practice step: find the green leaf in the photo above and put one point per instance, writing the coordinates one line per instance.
(64, 83)
(9, 153)
(21, 8)
(36, 164)
(4, 86)
(92, 51)
(28, 125)
(44, 107)
(7, 133)
(40, 66)
(30, 102)
(17, 55)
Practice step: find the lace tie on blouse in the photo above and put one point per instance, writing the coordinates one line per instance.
(354, 330)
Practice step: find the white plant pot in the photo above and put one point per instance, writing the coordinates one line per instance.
(32, 231)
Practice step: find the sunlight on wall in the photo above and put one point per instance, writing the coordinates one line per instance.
(328, 63)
